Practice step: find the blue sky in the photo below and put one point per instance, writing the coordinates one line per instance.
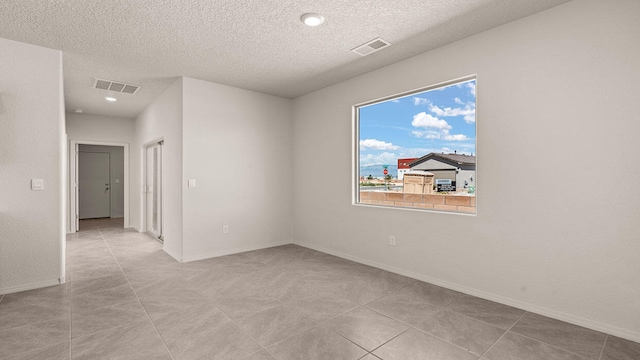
(440, 120)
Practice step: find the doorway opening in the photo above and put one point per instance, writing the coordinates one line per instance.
(153, 189)
(98, 182)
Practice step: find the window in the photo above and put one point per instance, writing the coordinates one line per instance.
(418, 149)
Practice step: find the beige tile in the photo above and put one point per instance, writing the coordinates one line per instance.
(499, 315)
(276, 324)
(566, 336)
(221, 340)
(317, 343)
(465, 332)
(259, 355)
(292, 285)
(243, 285)
(58, 351)
(150, 276)
(120, 342)
(513, 346)
(53, 294)
(323, 307)
(98, 284)
(35, 335)
(405, 307)
(370, 357)
(620, 349)
(94, 272)
(188, 320)
(365, 288)
(429, 293)
(96, 299)
(365, 327)
(168, 297)
(238, 308)
(18, 311)
(416, 345)
(93, 320)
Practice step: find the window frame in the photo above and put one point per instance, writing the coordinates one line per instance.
(355, 171)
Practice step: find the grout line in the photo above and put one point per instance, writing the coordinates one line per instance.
(256, 340)
(536, 340)
(554, 346)
(503, 334)
(136, 295)
(604, 344)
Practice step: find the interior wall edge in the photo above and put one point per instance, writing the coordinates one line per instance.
(236, 250)
(31, 286)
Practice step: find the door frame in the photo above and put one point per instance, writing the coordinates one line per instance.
(72, 225)
(143, 198)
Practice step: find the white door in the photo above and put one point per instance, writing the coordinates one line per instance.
(153, 203)
(94, 185)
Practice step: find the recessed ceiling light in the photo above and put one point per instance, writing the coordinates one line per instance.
(78, 111)
(112, 99)
(312, 19)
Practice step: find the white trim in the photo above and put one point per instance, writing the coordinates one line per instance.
(143, 191)
(572, 319)
(228, 252)
(31, 286)
(72, 170)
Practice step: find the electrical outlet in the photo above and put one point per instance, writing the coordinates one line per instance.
(392, 240)
(225, 229)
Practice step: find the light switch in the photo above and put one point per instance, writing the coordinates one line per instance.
(37, 184)
(192, 183)
(117, 181)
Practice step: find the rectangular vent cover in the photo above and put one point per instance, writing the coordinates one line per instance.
(115, 86)
(371, 47)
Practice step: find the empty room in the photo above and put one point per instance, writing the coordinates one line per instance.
(332, 180)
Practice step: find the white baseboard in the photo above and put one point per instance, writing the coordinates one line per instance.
(174, 256)
(31, 286)
(232, 251)
(572, 319)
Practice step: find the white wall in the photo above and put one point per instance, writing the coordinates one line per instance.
(161, 120)
(31, 147)
(100, 128)
(557, 92)
(116, 175)
(238, 147)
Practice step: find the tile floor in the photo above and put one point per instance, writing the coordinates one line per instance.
(126, 299)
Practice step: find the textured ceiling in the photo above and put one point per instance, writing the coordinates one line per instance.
(259, 45)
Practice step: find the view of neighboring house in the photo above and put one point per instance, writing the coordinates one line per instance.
(403, 166)
(459, 168)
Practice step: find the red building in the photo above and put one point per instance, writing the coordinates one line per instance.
(403, 166)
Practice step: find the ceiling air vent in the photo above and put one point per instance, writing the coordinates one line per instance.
(371, 47)
(115, 86)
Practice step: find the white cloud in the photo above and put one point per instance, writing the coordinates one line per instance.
(434, 128)
(421, 101)
(469, 111)
(424, 120)
(457, 137)
(458, 101)
(386, 158)
(377, 145)
(472, 87)
(439, 135)
(395, 100)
